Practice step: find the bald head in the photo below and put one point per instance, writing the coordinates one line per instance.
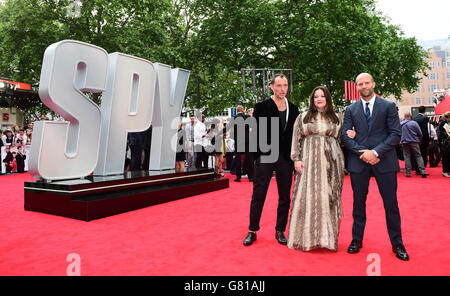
(364, 75)
(407, 115)
(365, 85)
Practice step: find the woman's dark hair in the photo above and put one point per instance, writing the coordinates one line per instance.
(329, 111)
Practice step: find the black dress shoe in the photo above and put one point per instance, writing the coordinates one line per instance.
(237, 180)
(400, 252)
(251, 237)
(279, 236)
(354, 247)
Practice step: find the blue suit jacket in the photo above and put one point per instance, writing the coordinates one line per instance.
(382, 136)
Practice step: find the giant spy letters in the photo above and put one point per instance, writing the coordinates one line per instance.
(127, 106)
(65, 150)
(93, 138)
(170, 89)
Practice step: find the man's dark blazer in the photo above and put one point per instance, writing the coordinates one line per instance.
(269, 109)
(422, 120)
(246, 138)
(382, 136)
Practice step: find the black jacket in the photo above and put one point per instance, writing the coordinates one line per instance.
(422, 120)
(269, 109)
(237, 138)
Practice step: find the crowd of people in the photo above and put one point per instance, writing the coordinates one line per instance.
(424, 142)
(14, 146)
(201, 144)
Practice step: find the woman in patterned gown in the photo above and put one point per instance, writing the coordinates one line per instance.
(319, 164)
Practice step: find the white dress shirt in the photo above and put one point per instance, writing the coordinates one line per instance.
(371, 103)
(199, 132)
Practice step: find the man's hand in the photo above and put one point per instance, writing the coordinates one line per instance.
(369, 157)
(351, 133)
(298, 165)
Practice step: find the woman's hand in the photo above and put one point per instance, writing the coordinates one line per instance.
(298, 166)
(351, 133)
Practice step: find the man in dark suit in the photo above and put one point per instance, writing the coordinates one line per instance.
(422, 120)
(273, 154)
(136, 146)
(372, 153)
(242, 145)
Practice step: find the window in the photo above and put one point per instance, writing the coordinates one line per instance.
(430, 100)
(432, 76)
(437, 76)
(432, 87)
(432, 65)
(418, 101)
(418, 89)
(448, 75)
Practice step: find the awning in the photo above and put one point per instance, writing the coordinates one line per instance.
(17, 94)
(443, 106)
(20, 99)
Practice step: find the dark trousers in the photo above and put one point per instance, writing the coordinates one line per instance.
(412, 151)
(445, 162)
(248, 164)
(434, 154)
(146, 160)
(136, 157)
(387, 186)
(229, 160)
(424, 152)
(201, 157)
(284, 169)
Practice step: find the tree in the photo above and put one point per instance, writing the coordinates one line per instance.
(323, 42)
(134, 27)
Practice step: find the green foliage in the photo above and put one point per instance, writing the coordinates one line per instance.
(323, 42)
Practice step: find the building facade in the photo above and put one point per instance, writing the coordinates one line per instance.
(438, 78)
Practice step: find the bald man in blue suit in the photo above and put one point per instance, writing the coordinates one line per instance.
(372, 153)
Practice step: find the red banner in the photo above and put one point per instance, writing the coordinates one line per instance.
(351, 93)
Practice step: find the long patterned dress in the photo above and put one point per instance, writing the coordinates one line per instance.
(316, 204)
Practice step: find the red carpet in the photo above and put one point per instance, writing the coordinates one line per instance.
(202, 235)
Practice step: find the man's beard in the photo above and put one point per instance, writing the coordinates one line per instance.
(368, 95)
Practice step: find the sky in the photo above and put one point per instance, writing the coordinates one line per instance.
(423, 19)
